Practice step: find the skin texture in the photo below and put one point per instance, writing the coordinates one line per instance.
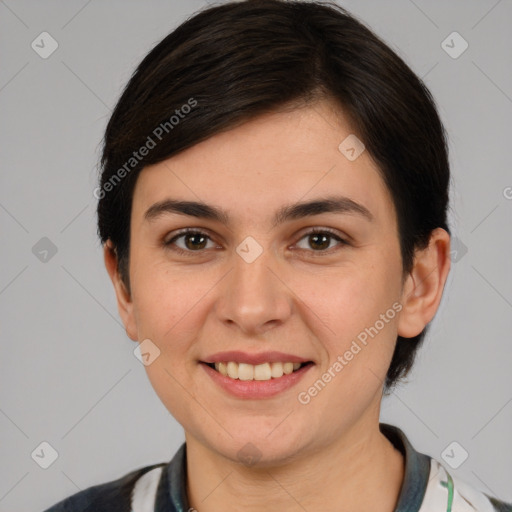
(293, 298)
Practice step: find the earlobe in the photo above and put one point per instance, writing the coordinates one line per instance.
(124, 300)
(423, 289)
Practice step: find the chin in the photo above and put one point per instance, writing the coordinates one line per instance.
(261, 448)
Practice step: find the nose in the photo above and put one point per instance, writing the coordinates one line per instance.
(253, 296)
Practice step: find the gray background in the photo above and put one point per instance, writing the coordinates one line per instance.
(68, 374)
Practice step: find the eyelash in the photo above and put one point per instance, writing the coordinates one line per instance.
(315, 231)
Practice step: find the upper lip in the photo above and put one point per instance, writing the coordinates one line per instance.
(263, 357)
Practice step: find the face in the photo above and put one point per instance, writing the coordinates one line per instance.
(321, 286)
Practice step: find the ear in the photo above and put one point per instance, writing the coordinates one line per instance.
(423, 288)
(124, 301)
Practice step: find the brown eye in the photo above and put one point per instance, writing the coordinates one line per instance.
(193, 241)
(320, 240)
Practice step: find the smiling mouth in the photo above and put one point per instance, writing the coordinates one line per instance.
(264, 371)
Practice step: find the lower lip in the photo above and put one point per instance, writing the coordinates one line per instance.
(256, 389)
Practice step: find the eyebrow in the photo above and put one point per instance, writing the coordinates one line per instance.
(332, 204)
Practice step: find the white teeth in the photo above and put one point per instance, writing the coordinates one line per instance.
(262, 372)
(287, 368)
(221, 367)
(232, 368)
(265, 371)
(276, 370)
(245, 371)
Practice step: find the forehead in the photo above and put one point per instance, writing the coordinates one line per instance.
(275, 159)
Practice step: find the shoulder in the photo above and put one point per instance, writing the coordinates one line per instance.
(113, 496)
(447, 492)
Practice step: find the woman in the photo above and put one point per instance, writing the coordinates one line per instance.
(273, 207)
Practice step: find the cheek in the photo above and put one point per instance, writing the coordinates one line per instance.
(360, 308)
(167, 308)
(348, 300)
(164, 300)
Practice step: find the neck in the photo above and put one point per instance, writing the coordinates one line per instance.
(360, 470)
